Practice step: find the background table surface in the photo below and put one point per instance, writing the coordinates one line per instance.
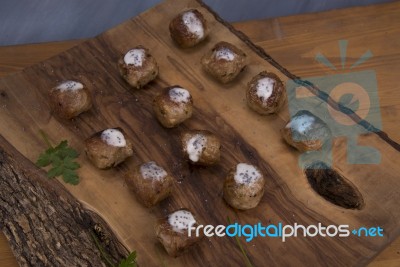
(47, 21)
(294, 41)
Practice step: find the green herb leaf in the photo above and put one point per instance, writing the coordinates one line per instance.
(62, 161)
(130, 261)
(55, 171)
(70, 177)
(244, 254)
(44, 160)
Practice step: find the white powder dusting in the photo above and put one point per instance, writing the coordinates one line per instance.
(179, 95)
(69, 86)
(193, 24)
(301, 123)
(246, 174)
(151, 170)
(195, 147)
(264, 88)
(225, 54)
(135, 57)
(181, 220)
(113, 137)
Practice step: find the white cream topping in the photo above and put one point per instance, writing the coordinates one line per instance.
(195, 146)
(150, 170)
(113, 137)
(135, 57)
(179, 95)
(69, 86)
(224, 53)
(246, 174)
(264, 88)
(301, 123)
(193, 24)
(181, 220)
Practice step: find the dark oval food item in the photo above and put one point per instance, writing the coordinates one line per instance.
(306, 132)
(265, 93)
(138, 67)
(201, 147)
(108, 148)
(173, 234)
(224, 62)
(334, 187)
(173, 106)
(69, 99)
(150, 182)
(244, 186)
(188, 28)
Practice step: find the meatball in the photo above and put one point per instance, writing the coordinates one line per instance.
(244, 186)
(150, 182)
(173, 232)
(138, 67)
(173, 106)
(201, 147)
(306, 132)
(108, 148)
(265, 93)
(69, 99)
(224, 62)
(188, 28)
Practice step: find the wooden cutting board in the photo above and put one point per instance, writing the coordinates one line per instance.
(222, 109)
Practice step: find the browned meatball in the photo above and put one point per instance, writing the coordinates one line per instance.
(138, 67)
(173, 234)
(69, 99)
(201, 147)
(224, 62)
(173, 106)
(188, 28)
(244, 186)
(306, 132)
(150, 182)
(265, 93)
(108, 148)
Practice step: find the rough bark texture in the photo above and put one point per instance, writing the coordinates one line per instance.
(45, 224)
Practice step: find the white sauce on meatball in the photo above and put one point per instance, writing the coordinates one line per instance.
(301, 124)
(179, 95)
(151, 170)
(225, 54)
(181, 220)
(69, 86)
(113, 137)
(135, 57)
(195, 147)
(193, 24)
(246, 174)
(264, 88)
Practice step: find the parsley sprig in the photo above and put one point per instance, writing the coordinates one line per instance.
(130, 261)
(62, 160)
(242, 250)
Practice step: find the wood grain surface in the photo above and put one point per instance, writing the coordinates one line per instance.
(227, 111)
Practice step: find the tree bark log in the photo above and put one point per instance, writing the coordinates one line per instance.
(44, 223)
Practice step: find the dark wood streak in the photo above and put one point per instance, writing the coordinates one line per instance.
(310, 86)
(197, 188)
(235, 149)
